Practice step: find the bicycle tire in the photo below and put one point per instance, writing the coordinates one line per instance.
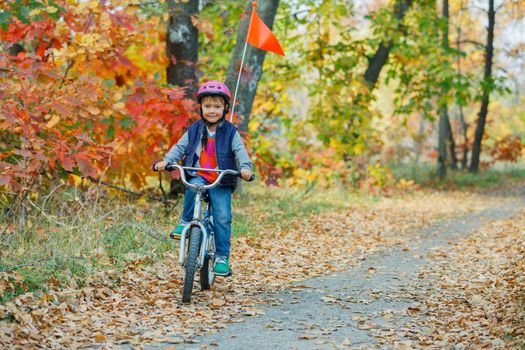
(207, 277)
(191, 263)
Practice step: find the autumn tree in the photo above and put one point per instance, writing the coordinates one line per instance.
(85, 96)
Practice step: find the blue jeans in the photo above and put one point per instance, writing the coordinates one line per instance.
(221, 203)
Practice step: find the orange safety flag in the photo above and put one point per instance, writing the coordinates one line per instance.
(260, 36)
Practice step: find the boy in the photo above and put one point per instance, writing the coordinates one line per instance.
(212, 143)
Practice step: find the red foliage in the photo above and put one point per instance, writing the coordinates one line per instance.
(509, 149)
(59, 114)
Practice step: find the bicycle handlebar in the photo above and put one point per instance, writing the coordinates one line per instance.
(222, 173)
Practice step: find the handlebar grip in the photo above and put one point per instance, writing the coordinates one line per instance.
(154, 166)
(250, 179)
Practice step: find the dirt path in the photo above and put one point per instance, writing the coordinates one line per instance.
(369, 306)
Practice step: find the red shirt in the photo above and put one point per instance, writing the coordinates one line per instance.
(208, 160)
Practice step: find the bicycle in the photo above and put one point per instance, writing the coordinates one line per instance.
(197, 249)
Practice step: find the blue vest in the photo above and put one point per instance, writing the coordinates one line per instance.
(223, 148)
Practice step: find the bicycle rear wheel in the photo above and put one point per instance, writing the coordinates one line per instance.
(207, 276)
(191, 263)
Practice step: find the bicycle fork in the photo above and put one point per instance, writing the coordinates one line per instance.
(197, 213)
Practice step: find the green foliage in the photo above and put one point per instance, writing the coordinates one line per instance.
(327, 71)
(28, 11)
(423, 67)
(218, 22)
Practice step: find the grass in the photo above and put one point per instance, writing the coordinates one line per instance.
(272, 205)
(75, 239)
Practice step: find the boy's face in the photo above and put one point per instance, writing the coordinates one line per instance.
(212, 108)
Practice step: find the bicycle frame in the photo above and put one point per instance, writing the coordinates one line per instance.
(198, 255)
(198, 219)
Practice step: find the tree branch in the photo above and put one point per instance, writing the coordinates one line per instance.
(125, 190)
(477, 8)
(473, 42)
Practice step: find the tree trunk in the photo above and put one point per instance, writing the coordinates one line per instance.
(442, 142)
(464, 126)
(253, 61)
(378, 60)
(417, 144)
(452, 146)
(487, 86)
(444, 123)
(182, 45)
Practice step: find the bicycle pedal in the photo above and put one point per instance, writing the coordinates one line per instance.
(174, 236)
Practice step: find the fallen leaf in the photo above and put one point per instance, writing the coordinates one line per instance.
(307, 336)
(329, 299)
(99, 338)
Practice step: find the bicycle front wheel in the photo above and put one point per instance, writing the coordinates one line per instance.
(191, 263)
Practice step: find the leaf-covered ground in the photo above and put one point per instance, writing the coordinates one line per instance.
(479, 301)
(142, 304)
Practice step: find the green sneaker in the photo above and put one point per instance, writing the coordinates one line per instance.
(176, 232)
(222, 266)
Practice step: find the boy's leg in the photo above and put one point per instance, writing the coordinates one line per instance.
(220, 198)
(188, 207)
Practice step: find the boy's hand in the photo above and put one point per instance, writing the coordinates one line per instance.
(246, 174)
(161, 165)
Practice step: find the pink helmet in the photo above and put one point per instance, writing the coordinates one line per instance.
(214, 88)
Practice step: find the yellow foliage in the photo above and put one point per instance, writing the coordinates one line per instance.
(51, 9)
(85, 6)
(35, 12)
(61, 29)
(53, 121)
(74, 179)
(253, 126)
(104, 21)
(117, 97)
(119, 106)
(93, 110)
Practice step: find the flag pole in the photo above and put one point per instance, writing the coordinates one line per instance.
(242, 61)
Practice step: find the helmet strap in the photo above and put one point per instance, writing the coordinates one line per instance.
(212, 124)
